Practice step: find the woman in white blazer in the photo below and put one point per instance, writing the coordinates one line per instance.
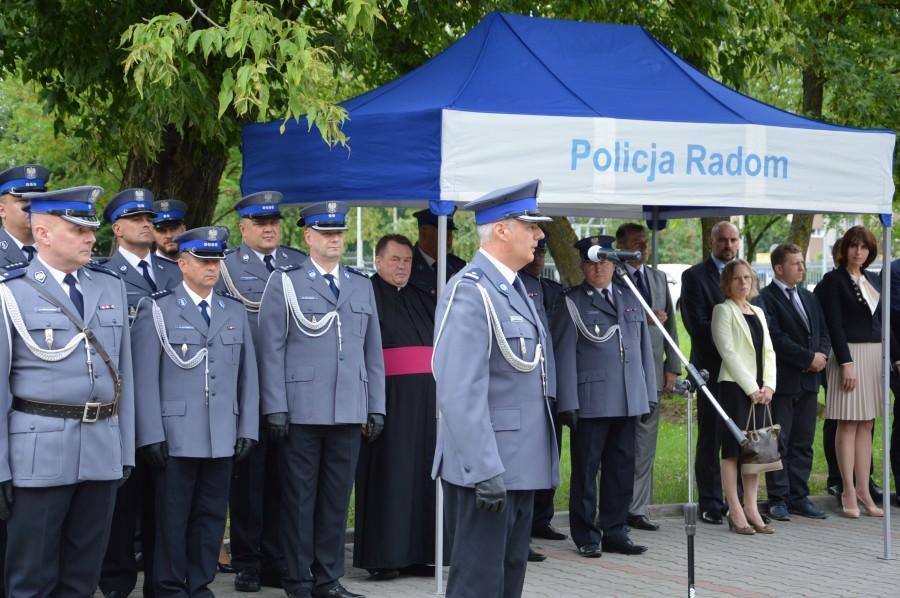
(746, 380)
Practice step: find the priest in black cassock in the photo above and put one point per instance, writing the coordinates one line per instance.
(395, 495)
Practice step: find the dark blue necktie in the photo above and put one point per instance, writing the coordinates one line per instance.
(332, 285)
(203, 305)
(642, 285)
(606, 295)
(145, 270)
(29, 252)
(270, 266)
(74, 294)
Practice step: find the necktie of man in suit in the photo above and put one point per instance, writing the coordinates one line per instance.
(204, 310)
(270, 263)
(608, 298)
(145, 272)
(641, 283)
(794, 298)
(331, 285)
(29, 252)
(74, 294)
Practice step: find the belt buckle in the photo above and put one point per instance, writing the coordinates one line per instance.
(91, 413)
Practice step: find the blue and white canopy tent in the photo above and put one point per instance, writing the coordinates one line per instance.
(611, 121)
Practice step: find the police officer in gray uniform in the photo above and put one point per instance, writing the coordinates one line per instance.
(256, 488)
(197, 410)
(16, 241)
(68, 438)
(605, 372)
(323, 376)
(131, 214)
(496, 443)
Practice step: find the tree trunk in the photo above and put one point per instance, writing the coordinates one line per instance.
(560, 241)
(813, 93)
(183, 169)
(706, 225)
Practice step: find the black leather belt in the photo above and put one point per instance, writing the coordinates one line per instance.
(87, 413)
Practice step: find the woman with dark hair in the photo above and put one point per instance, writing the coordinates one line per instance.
(746, 381)
(851, 301)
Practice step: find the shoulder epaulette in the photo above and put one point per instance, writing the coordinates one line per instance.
(474, 274)
(230, 250)
(294, 249)
(222, 293)
(355, 271)
(15, 265)
(96, 267)
(552, 282)
(165, 259)
(288, 267)
(10, 274)
(101, 259)
(161, 293)
(568, 290)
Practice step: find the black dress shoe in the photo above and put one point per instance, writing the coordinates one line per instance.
(383, 574)
(115, 594)
(805, 508)
(247, 580)
(835, 490)
(337, 591)
(713, 517)
(876, 492)
(624, 547)
(535, 557)
(778, 511)
(641, 522)
(590, 551)
(225, 568)
(547, 532)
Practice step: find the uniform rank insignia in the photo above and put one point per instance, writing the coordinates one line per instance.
(105, 307)
(589, 293)
(231, 327)
(160, 266)
(245, 258)
(346, 275)
(503, 287)
(40, 276)
(4, 245)
(182, 301)
(221, 303)
(123, 268)
(311, 274)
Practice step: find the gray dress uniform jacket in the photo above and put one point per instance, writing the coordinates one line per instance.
(10, 253)
(318, 380)
(616, 378)
(494, 419)
(170, 401)
(38, 451)
(166, 275)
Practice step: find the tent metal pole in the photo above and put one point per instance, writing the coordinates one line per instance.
(655, 233)
(439, 491)
(886, 381)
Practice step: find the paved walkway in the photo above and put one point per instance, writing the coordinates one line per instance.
(834, 557)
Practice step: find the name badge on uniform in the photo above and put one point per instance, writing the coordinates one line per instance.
(248, 278)
(52, 310)
(307, 297)
(516, 319)
(184, 327)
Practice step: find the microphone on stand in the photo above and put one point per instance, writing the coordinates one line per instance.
(599, 254)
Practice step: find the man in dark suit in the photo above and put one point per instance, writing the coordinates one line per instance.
(424, 266)
(895, 378)
(699, 294)
(800, 337)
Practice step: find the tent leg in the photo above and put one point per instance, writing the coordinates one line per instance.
(655, 233)
(886, 382)
(439, 494)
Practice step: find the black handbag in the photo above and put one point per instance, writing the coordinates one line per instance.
(759, 453)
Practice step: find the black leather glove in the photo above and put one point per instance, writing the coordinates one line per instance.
(569, 418)
(278, 426)
(242, 448)
(6, 499)
(646, 417)
(156, 454)
(126, 473)
(490, 495)
(374, 426)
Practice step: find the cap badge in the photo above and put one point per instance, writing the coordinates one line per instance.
(267, 196)
(30, 172)
(95, 194)
(40, 276)
(164, 204)
(213, 234)
(139, 194)
(332, 207)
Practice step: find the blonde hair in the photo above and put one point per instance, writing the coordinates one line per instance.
(728, 276)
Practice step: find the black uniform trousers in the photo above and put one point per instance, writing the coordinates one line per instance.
(488, 551)
(191, 508)
(706, 458)
(895, 431)
(255, 509)
(796, 413)
(543, 499)
(56, 539)
(604, 444)
(134, 506)
(318, 465)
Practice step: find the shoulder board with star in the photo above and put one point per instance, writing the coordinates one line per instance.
(230, 250)
(161, 293)
(11, 274)
(355, 271)
(15, 265)
(569, 290)
(474, 274)
(288, 267)
(222, 293)
(97, 267)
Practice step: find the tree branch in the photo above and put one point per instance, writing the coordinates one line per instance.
(198, 10)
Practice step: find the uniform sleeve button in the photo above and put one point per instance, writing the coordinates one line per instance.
(467, 469)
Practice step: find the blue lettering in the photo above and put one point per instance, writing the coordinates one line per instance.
(734, 162)
(776, 161)
(639, 155)
(667, 162)
(581, 148)
(757, 165)
(695, 156)
(715, 164)
(604, 152)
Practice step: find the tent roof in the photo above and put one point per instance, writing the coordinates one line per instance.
(506, 65)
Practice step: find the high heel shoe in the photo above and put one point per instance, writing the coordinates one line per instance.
(851, 513)
(762, 529)
(872, 511)
(744, 531)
